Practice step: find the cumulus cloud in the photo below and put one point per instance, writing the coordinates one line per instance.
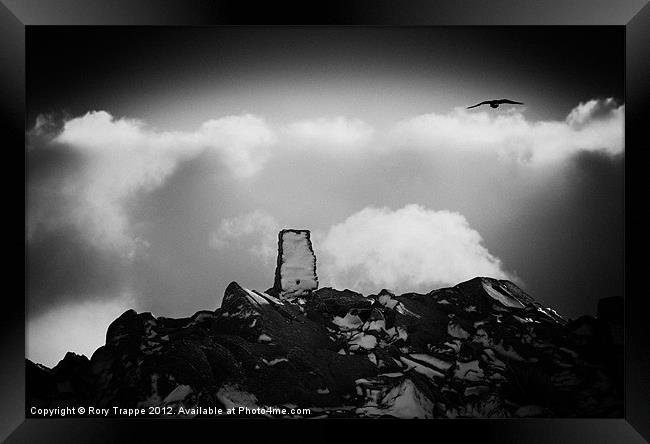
(258, 229)
(119, 158)
(592, 110)
(333, 133)
(593, 126)
(241, 141)
(78, 327)
(409, 249)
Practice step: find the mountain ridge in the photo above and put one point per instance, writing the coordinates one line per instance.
(483, 348)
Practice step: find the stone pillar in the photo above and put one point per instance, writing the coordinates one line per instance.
(295, 274)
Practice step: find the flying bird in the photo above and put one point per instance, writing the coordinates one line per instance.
(495, 103)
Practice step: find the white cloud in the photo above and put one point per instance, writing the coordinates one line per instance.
(333, 134)
(594, 109)
(77, 327)
(409, 249)
(241, 141)
(257, 229)
(594, 126)
(122, 157)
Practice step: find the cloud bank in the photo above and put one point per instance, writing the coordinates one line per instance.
(596, 125)
(337, 134)
(123, 158)
(114, 161)
(412, 248)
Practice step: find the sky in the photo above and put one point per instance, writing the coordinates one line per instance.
(162, 162)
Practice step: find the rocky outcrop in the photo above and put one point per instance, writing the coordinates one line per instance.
(69, 382)
(483, 348)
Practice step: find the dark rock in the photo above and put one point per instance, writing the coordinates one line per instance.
(330, 302)
(40, 385)
(483, 348)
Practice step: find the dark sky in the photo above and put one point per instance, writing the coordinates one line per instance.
(134, 69)
(165, 160)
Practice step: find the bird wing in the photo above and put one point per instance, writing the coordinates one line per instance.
(509, 101)
(478, 104)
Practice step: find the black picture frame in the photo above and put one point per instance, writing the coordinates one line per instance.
(634, 15)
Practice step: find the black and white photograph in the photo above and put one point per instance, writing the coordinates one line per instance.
(325, 222)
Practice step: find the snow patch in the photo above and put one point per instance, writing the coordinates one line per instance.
(436, 362)
(275, 361)
(402, 401)
(469, 371)
(362, 340)
(401, 309)
(231, 396)
(269, 297)
(402, 334)
(422, 369)
(387, 301)
(376, 325)
(508, 301)
(457, 331)
(264, 338)
(348, 322)
(178, 394)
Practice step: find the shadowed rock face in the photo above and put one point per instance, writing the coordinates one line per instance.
(483, 348)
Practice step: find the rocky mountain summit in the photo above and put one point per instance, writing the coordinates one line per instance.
(483, 348)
